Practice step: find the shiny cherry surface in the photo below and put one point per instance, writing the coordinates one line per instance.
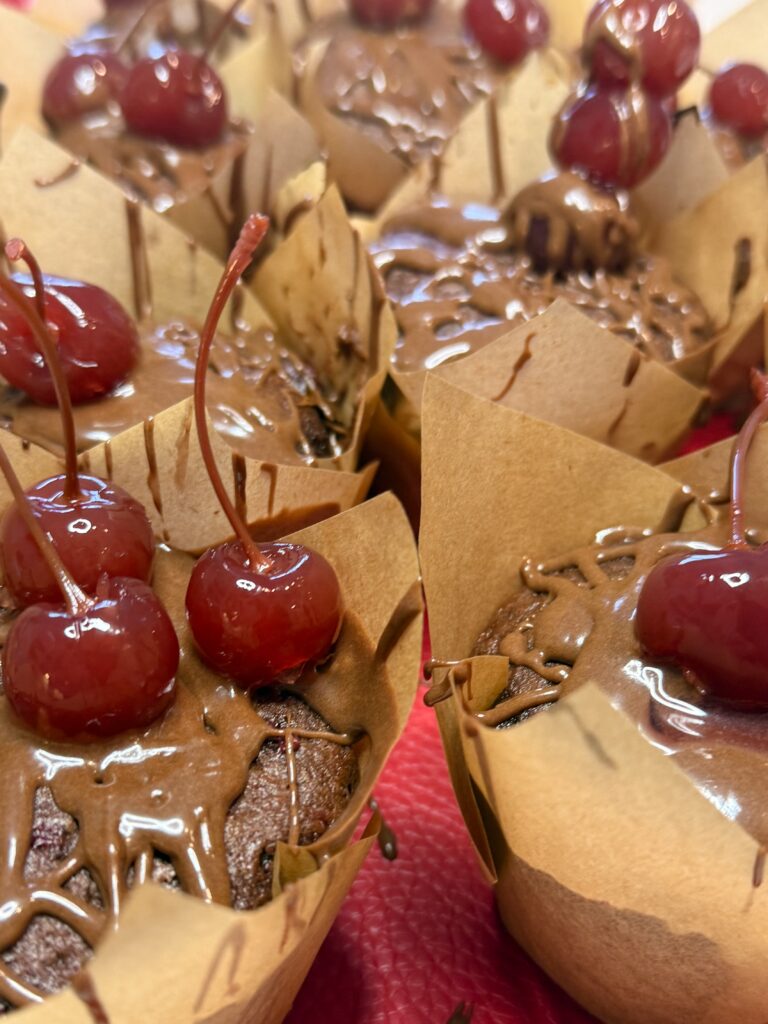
(664, 35)
(738, 98)
(96, 339)
(82, 83)
(707, 613)
(253, 626)
(388, 14)
(177, 98)
(602, 135)
(507, 31)
(103, 531)
(93, 674)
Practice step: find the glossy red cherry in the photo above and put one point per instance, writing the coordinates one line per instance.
(738, 98)
(81, 83)
(507, 30)
(93, 672)
(615, 139)
(253, 624)
(99, 531)
(388, 14)
(654, 42)
(96, 339)
(707, 613)
(256, 611)
(177, 98)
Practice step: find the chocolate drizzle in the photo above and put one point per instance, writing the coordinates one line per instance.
(197, 801)
(458, 281)
(574, 623)
(406, 90)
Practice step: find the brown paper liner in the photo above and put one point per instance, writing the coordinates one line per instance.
(327, 301)
(34, 50)
(626, 884)
(563, 368)
(70, 224)
(200, 969)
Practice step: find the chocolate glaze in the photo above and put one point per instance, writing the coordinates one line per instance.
(458, 282)
(407, 90)
(263, 399)
(573, 623)
(196, 801)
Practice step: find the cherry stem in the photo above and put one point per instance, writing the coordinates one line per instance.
(133, 30)
(16, 250)
(223, 24)
(76, 600)
(741, 448)
(251, 237)
(47, 346)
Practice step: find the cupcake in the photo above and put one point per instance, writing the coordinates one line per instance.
(232, 766)
(200, 153)
(563, 709)
(269, 374)
(387, 85)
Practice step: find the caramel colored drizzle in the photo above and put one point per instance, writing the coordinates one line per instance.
(166, 789)
(406, 90)
(580, 629)
(458, 283)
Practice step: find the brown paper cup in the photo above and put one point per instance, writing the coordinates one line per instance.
(201, 969)
(626, 884)
(563, 368)
(70, 225)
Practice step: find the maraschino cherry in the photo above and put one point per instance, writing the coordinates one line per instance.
(615, 138)
(97, 341)
(738, 99)
(178, 97)
(256, 611)
(389, 14)
(82, 83)
(93, 666)
(651, 42)
(707, 611)
(507, 31)
(100, 528)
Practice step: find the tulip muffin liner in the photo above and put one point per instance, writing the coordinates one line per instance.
(316, 309)
(626, 884)
(279, 146)
(177, 958)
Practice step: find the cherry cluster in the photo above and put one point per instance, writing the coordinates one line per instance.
(618, 126)
(176, 98)
(93, 651)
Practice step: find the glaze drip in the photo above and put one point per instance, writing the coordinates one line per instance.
(197, 801)
(406, 90)
(573, 623)
(458, 283)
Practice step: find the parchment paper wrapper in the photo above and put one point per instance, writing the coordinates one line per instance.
(280, 147)
(69, 225)
(209, 963)
(627, 885)
(732, 31)
(563, 368)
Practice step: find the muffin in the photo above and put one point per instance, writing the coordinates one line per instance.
(569, 799)
(270, 369)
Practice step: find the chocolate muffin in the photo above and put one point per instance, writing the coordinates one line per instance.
(403, 92)
(460, 277)
(197, 801)
(573, 622)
